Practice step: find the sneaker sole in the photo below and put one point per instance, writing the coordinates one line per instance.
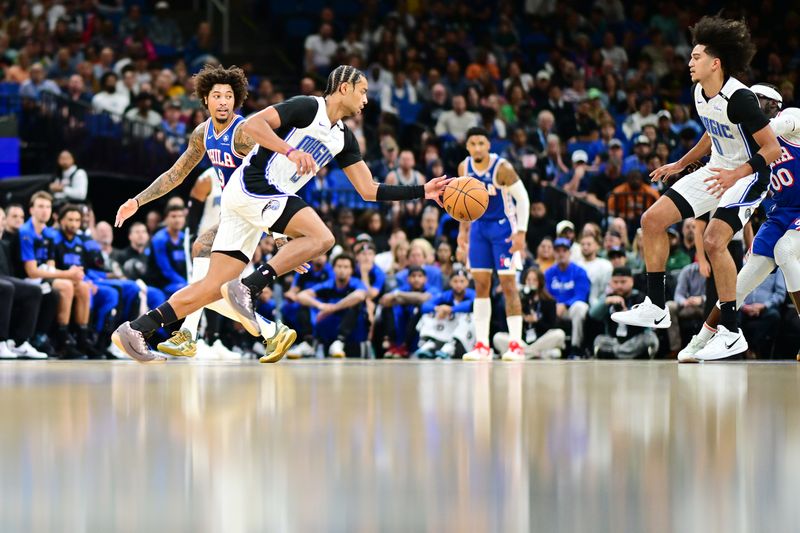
(513, 359)
(248, 324)
(157, 358)
(724, 354)
(279, 351)
(664, 324)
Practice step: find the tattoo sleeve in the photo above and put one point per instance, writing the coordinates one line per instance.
(242, 142)
(177, 172)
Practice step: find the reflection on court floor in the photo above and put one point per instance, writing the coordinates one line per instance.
(399, 446)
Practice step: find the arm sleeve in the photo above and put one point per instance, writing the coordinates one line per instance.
(743, 109)
(351, 153)
(161, 256)
(522, 204)
(79, 186)
(297, 112)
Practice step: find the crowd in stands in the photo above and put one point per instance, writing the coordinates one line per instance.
(583, 98)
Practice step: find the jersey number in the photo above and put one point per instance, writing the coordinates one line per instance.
(717, 145)
(780, 179)
(492, 190)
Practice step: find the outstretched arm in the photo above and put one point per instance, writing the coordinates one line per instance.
(169, 179)
(361, 178)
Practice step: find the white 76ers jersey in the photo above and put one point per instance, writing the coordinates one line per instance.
(731, 144)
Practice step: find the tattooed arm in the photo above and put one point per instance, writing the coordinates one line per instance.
(242, 142)
(169, 179)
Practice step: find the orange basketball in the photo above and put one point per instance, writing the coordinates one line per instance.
(465, 199)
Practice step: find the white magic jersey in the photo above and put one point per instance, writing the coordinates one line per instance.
(731, 145)
(211, 209)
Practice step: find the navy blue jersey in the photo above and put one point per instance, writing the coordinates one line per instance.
(36, 247)
(68, 253)
(221, 151)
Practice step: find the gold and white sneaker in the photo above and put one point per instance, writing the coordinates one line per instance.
(181, 344)
(276, 346)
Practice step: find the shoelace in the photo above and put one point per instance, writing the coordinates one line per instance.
(141, 344)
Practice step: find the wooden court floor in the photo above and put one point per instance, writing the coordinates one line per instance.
(366, 446)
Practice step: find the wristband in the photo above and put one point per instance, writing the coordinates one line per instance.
(138, 205)
(290, 150)
(758, 163)
(391, 193)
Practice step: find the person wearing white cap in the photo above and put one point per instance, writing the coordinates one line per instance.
(731, 185)
(580, 160)
(777, 242)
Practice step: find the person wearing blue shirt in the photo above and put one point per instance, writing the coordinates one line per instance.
(70, 250)
(570, 286)
(401, 310)
(167, 263)
(298, 317)
(638, 159)
(37, 253)
(337, 309)
(416, 258)
(445, 318)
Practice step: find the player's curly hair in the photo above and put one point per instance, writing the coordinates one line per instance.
(726, 39)
(218, 75)
(342, 74)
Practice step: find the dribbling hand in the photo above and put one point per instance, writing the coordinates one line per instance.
(126, 211)
(435, 188)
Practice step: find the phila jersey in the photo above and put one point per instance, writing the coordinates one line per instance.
(221, 151)
(304, 125)
(731, 117)
(786, 169)
(500, 203)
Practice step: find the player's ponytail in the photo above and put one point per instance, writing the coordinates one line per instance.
(341, 74)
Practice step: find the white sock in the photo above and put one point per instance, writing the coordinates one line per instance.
(706, 332)
(514, 328)
(482, 314)
(199, 271)
(267, 327)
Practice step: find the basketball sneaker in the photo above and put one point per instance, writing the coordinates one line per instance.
(6, 352)
(298, 351)
(238, 295)
(204, 351)
(426, 351)
(277, 345)
(514, 352)
(724, 344)
(644, 315)
(26, 350)
(181, 344)
(336, 349)
(688, 354)
(133, 343)
(480, 352)
(224, 353)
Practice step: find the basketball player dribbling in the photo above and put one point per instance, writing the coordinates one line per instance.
(222, 138)
(293, 139)
(731, 185)
(494, 242)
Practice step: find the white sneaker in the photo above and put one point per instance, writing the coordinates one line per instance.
(515, 352)
(336, 349)
(204, 351)
(480, 352)
(644, 315)
(688, 354)
(223, 353)
(724, 344)
(298, 351)
(6, 352)
(26, 350)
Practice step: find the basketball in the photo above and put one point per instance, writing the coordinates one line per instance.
(465, 199)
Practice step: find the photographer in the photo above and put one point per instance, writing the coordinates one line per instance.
(620, 341)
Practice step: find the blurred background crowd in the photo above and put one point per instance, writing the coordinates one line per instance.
(584, 98)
